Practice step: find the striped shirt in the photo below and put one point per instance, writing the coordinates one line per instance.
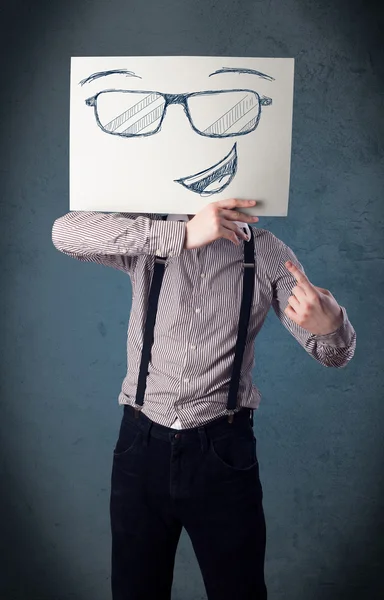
(198, 311)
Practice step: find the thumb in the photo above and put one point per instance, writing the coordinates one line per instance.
(323, 291)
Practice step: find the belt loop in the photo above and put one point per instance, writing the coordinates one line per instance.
(147, 431)
(203, 438)
(144, 426)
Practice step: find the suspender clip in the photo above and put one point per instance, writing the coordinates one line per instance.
(137, 412)
(230, 417)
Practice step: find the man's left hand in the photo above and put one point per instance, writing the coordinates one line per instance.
(313, 308)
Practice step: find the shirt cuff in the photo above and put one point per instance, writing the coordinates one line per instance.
(166, 238)
(341, 337)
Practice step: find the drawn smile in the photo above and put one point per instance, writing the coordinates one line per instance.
(214, 179)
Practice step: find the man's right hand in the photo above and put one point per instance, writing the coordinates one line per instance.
(215, 221)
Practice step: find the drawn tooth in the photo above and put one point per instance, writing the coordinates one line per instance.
(214, 179)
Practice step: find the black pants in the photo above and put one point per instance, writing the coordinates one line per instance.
(205, 479)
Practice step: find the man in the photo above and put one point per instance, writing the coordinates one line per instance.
(186, 450)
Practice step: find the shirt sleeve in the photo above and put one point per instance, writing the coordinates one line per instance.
(115, 239)
(334, 349)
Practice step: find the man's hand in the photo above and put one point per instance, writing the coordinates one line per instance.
(215, 221)
(312, 307)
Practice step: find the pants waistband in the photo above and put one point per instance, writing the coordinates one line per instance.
(214, 429)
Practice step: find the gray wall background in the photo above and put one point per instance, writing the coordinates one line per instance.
(319, 430)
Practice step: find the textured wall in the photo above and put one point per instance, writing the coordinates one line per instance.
(64, 323)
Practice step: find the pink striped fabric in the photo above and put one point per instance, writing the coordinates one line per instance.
(199, 304)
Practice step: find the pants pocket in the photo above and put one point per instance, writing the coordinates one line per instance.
(128, 440)
(236, 451)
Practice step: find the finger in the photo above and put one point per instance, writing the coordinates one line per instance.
(235, 215)
(300, 277)
(229, 235)
(290, 312)
(299, 293)
(296, 272)
(233, 227)
(294, 303)
(233, 202)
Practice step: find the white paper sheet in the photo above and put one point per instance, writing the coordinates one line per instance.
(172, 134)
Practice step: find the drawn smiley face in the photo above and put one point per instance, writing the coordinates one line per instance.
(225, 113)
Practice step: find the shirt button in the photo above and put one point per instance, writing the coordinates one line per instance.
(186, 380)
(202, 275)
(198, 310)
(193, 347)
(158, 252)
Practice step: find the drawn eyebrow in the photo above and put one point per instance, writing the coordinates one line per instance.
(106, 73)
(244, 71)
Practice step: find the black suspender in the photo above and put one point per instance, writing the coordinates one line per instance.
(245, 311)
(153, 300)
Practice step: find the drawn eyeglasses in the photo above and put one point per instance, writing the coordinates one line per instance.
(215, 114)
